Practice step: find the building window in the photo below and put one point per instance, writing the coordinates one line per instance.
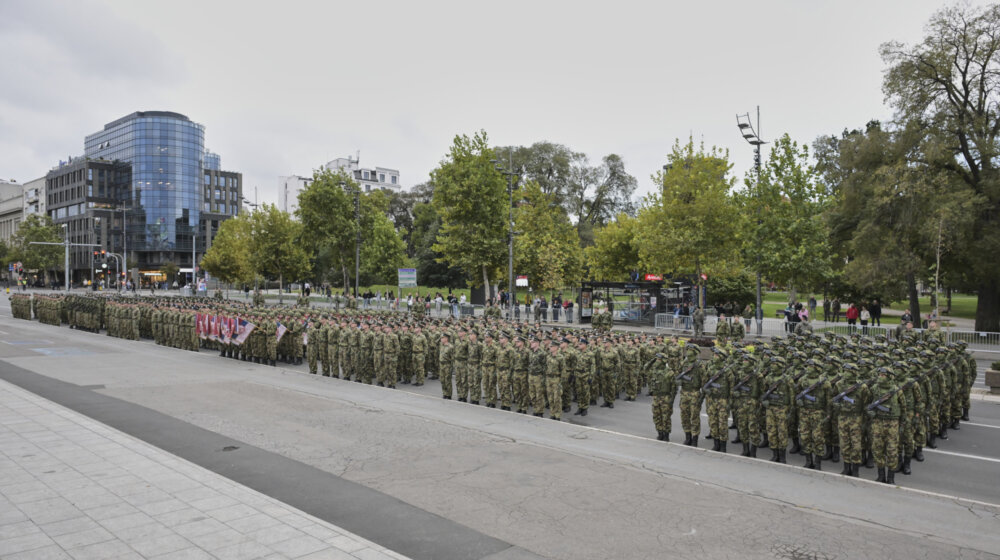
(208, 179)
(90, 174)
(381, 177)
(208, 207)
(368, 188)
(393, 179)
(365, 174)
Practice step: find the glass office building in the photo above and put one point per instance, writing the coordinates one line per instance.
(164, 196)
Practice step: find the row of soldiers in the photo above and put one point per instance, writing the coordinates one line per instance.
(874, 402)
(20, 306)
(868, 400)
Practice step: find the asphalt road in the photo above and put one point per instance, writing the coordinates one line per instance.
(482, 480)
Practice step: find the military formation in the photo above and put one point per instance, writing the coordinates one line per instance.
(871, 401)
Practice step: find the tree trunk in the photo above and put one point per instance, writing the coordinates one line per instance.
(988, 307)
(792, 294)
(911, 288)
(486, 285)
(281, 288)
(343, 269)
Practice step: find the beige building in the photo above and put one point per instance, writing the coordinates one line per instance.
(11, 208)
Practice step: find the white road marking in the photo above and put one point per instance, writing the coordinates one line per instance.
(967, 456)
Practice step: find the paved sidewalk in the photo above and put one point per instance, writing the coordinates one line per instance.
(71, 487)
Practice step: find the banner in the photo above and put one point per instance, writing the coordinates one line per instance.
(223, 329)
(199, 327)
(281, 331)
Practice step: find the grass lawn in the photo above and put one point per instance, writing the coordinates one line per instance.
(962, 305)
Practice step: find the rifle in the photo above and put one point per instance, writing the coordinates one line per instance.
(804, 394)
(683, 375)
(711, 380)
(743, 381)
(843, 394)
(877, 404)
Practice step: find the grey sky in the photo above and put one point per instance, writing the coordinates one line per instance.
(283, 87)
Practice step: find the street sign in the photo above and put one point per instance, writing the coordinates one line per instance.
(653, 278)
(407, 277)
(521, 282)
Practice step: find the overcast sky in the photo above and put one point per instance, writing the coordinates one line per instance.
(283, 87)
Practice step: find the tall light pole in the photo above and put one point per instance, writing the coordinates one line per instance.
(509, 172)
(752, 136)
(357, 240)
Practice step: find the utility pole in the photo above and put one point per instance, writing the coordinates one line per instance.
(752, 136)
(66, 245)
(509, 172)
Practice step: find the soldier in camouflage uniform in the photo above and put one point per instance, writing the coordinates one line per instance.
(584, 372)
(690, 381)
(446, 356)
(506, 356)
(885, 411)
(474, 373)
(521, 366)
(553, 381)
(461, 360)
(390, 348)
(776, 400)
(852, 395)
(418, 351)
(722, 331)
(630, 369)
(717, 388)
(608, 363)
(488, 366)
(664, 389)
(536, 378)
(746, 399)
(813, 399)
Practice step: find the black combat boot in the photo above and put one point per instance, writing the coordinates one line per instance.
(584, 413)
(708, 435)
(540, 414)
(694, 440)
(906, 466)
(954, 424)
(829, 453)
(930, 441)
(809, 461)
(474, 402)
(781, 456)
(856, 470)
(659, 435)
(890, 477)
(753, 451)
(508, 408)
(273, 363)
(746, 450)
(666, 436)
(836, 454)
(870, 463)
(965, 414)
(819, 463)
(796, 447)
(847, 469)
(715, 443)
(918, 454)
(567, 408)
(687, 438)
(722, 446)
(764, 443)
(943, 433)
(899, 463)
(774, 455)
(881, 475)
(733, 427)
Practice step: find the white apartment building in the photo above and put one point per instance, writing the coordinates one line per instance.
(289, 188)
(34, 197)
(11, 208)
(369, 178)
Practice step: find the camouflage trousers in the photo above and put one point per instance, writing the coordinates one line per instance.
(418, 367)
(850, 428)
(553, 390)
(691, 412)
(793, 421)
(312, 355)
(777, 426)
(885, 441)
(536, 393)
(504, 385)
(520, 386)
(745, 411)
(390, 371)
(583, 391)
(330, 364)
(366, 369)
(631, 380)
(567, 391)
(906, 432)
(718, 417)
(663, 410)
(608, 386)
(811, 431)
(344, 363)
(475, 380)
(489, 383)
(957, 400)
(272, 348)
(445, 375)
(462, 379)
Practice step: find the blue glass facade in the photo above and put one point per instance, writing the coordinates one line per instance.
(166, 152)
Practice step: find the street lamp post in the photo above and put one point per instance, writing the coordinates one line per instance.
(509, 172)
(752, 136)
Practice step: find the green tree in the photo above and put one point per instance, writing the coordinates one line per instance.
(229, 258)
(786, 236)
(546, 248)
(949, 85)
(382, 249)
(276, 245)
(37, 228)
(598, 194)
(614, 252)
(471, 199)
(431, 268)
(170, 270)
(326, 211)
(692, 225)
